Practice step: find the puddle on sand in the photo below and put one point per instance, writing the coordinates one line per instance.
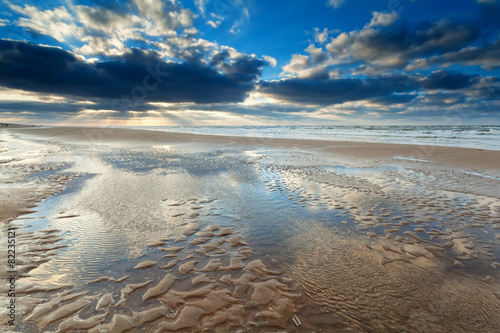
(164, 240)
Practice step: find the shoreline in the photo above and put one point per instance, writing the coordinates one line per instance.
(444, 136)
(472, 158)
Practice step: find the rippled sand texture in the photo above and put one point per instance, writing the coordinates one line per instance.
(421, 253)
(156, 238)
(214, 286)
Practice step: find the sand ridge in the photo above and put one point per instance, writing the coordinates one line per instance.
(201, 301)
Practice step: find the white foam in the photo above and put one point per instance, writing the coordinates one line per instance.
(480, 175)
(410, 159)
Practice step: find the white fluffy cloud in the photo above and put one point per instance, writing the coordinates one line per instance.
(270, 60)
(187, 48)
(58, 23)
(119, 25)
(335, 3)
(383, 19)
(321, 36)
(101, 45)
(304, 67)
(165, 17)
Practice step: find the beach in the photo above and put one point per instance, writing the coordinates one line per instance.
(129, 230)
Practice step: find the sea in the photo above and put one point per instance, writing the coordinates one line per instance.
(466, 136)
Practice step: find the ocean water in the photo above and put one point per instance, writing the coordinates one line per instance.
(466, 136)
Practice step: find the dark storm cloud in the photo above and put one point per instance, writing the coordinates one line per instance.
(39, 107)
(487, 88)
(397, 44)
(138, 75)
(480, 51)
(385, 90)
(393, 99)
(442, 100)
(75, 106)
(487, 56)
(427, 38)
(389, 42)
(338, 91)
(242, 68)
(69, 106)
(448, 80)
(219, 57)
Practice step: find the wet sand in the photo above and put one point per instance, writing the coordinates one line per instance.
(457, 157)
(127, 230)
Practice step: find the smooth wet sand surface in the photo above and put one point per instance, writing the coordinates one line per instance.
(140, 231)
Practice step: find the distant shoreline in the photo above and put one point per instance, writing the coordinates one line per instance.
(6, 125)
(468, 158)
(465, 136)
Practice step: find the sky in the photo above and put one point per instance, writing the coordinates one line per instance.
(250, 62)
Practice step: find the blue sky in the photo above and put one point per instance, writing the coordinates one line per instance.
(249, 62)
